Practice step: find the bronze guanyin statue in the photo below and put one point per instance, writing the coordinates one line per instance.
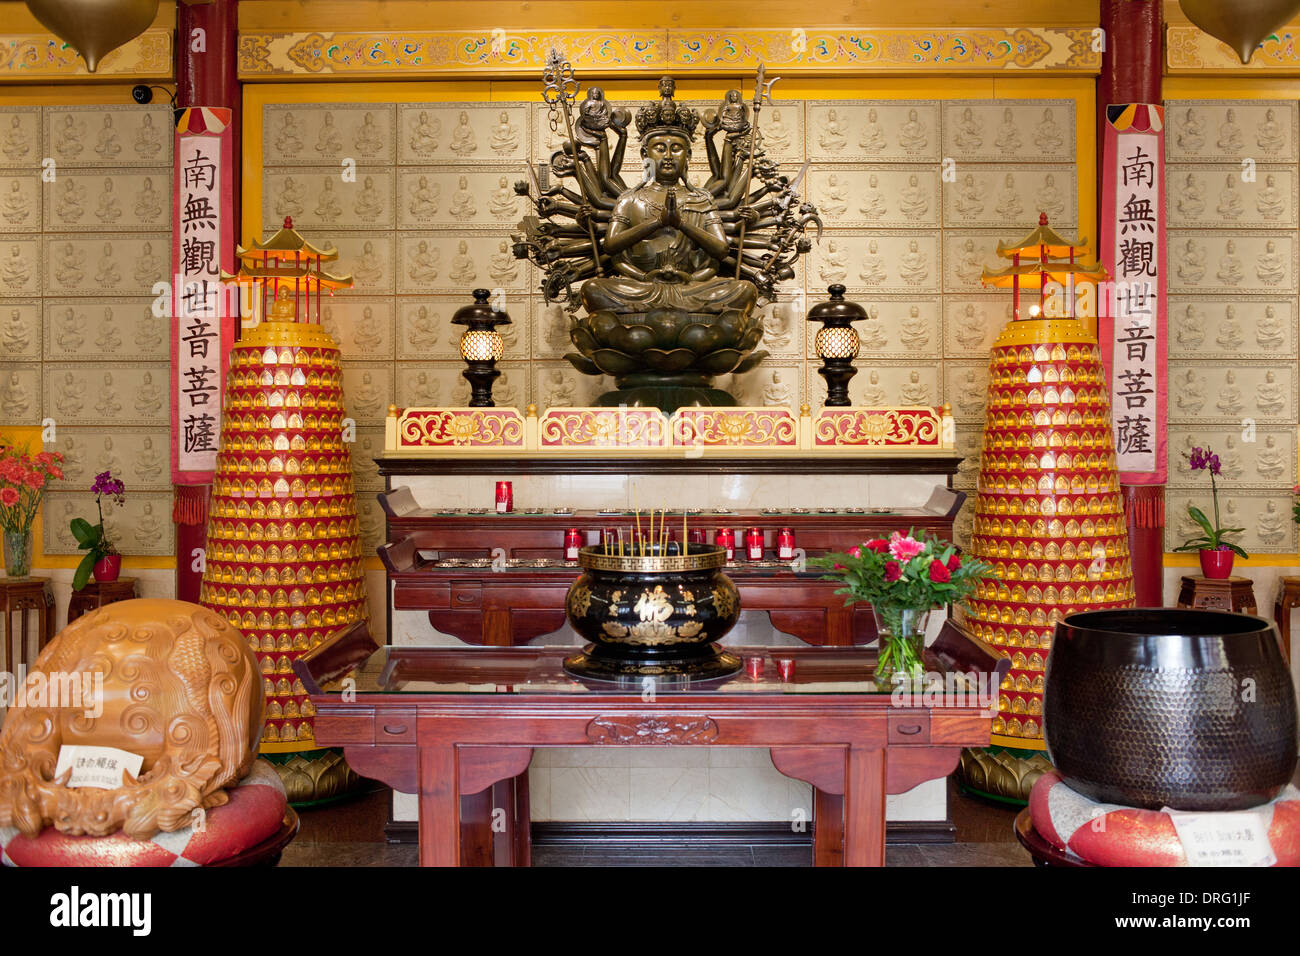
(669, 272)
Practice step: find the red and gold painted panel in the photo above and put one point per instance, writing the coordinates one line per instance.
(602, 428)
(876, 427)
(462, 428)
(743, 427)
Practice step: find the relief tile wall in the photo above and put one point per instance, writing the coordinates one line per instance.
(432, 206)
(1232, 200)
(81, 248)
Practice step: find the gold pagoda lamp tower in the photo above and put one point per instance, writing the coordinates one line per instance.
(1049, 514)
(283, 561)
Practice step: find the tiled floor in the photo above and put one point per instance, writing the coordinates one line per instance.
(352, 834)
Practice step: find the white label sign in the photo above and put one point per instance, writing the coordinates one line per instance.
(1224, 839)
(100, 767)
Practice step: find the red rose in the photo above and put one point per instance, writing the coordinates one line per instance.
(893, 570)
(954, 563)
(855, 552)
(879, 544)
(939, 572)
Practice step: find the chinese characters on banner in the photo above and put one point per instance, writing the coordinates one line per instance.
(203, 323)
(1131, 329)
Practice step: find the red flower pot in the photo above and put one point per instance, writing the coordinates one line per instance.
(1217, 563)
(109, 567)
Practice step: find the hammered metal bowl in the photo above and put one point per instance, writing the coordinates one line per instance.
(1162, 707)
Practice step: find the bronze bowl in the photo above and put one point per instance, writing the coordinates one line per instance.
(1155, 707)
(654, 615)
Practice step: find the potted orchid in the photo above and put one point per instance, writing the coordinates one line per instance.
(101, 557)
(904, 578)
(23, 480)
(1216, 554)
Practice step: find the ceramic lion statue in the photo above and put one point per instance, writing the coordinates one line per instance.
(180, 687)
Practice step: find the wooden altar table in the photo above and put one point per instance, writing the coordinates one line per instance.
(458, 726)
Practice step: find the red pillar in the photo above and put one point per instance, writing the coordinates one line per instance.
(206, 45)
(1131, 68)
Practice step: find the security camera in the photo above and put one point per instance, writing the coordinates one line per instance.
(142, 93)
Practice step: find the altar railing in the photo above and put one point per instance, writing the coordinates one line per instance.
(758, 431)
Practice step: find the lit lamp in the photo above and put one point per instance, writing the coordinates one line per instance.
(481, 346)
(836, 343)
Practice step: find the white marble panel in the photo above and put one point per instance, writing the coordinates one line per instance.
(669, 793)
(591, 793)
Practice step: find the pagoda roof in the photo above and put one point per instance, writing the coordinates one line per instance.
(1043, 237)
(289, 276)
(289, 240)
(1032, 275)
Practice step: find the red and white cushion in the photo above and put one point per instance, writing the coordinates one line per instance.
(1106, 834)
(253, 814)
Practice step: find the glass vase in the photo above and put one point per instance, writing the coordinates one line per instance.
(902, 643)
(18, 553)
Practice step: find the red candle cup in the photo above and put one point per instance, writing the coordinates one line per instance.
(505, 497)
(785, 667)
(754, 667)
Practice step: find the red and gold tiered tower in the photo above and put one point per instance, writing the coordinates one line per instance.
(1049, 515)
(283, 552)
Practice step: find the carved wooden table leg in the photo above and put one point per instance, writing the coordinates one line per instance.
(476, 828)
(864, 808)
(828, 828)
(1288, 597)
(439, 807)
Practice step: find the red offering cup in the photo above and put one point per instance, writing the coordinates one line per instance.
(785, 667)
(505, 497)
(785, 544)
(572, 542)
(726, 538)
(754, 667)
(754, 544)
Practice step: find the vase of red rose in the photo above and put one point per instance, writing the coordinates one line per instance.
(23, 481)
(904, 578)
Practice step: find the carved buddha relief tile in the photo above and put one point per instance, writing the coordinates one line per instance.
(20, 266)
(1209, 392)
(459, 197)
(365, 470)
(104, 330)
(20, 330)
(1215, 197)
(439, 262)
(878, 261)
(112, 265)
(972, 324)
(1005, 196)
(1266, 518)
(1244, 327)
(966, 388)
(368, 258)
(1263, 457)
(479, 133)
(428, 383)
(893, 131)
(875, 196)
(1228, 131)
(325, 199)
(370, 522)
(109, 135)
(141, 526)
(550, 326)
(968, 444)
(20, 201)
(560, 385)
(20, 137)
(107, 394)
(775, 383)
(139, 456)
(513, 389)
(881, 383)
(368, 390)
(1002, 130)
(1232, 262)
(783, 322)
(965, 256)
(306, 135)
(20, 393)
(108, 200)
(781, 132)
(894, 328)
(361, 325)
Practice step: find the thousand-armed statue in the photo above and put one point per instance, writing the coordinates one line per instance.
(669, 271)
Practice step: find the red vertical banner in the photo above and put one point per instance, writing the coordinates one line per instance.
(1131, 326)
(203, 318)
